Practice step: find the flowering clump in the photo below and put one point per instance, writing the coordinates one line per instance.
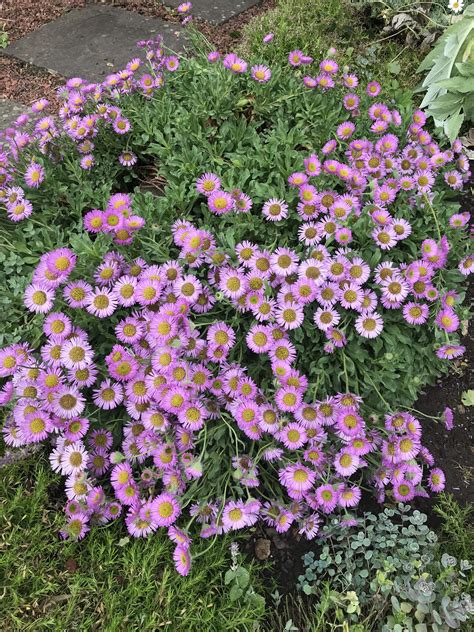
(229, 372)
(177, 382)
(117, 219)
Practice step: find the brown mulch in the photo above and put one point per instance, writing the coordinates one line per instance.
(24, 83)
(21, 17)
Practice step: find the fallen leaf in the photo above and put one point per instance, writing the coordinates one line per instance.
(468, 398)
(71, 565)
(262, 549)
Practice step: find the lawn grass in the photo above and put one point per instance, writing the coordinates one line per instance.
(314, 26)
(96, 584)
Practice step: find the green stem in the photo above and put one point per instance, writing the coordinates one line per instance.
(378, 392)
(430, 206)
(346, 377)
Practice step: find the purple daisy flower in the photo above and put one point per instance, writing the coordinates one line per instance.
(235, 64)
(109, 395)
(369, 324)
(326, 498)
(297, 477)
(403, 491)
(436, 480)
(76, 293)
(101, 302)
(127, 158)
(416, 313)
(121, 125)
(447, 320)
(289, 315)
(221, 202)
(466, 265)
(172, 63)
(165, 510)
(182, 560)
(34, 175)
(295, 58)
(77, 526)
(39, 298)
(213, 56)
(373, 89)
(261, 73)
(275, 210)
(293, 436)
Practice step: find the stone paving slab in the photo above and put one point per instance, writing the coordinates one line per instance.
(92, 42)
(9, 112)
(216, 11)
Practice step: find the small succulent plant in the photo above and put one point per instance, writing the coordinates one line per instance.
(391, 563)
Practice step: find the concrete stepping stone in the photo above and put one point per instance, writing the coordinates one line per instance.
(93, 41)
(216, 11)
(9, 112)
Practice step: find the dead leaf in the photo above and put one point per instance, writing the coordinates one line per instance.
(262, 549)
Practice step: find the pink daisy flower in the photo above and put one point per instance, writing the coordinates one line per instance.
(60, 261)
(221, 202)
(436, 480)
(369, 324)
(297, 477)
(76, 353)
(275, 210)
(38, 298)
(416, 313)
(261, 73)
(293, 436)
(208, 184)
(165, 510)
(403, 491)
(284, 261)
(234, 64)
(74, 459)
(447, 320)
(68, 402)
(289, 315)
(232, 283)
(35, 426)
(182, 560)
(349, 496)
(109, 395)
(101, 302)
(76, 293)
(295, 58)
(234, 515)
(326, 498)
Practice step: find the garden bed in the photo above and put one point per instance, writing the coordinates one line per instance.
(251, 278)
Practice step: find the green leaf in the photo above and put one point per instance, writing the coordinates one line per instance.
(235, 593)
(257, 600)
(452, 125)
(242, 577)
(458, 84)
(466, 68)
(394, 68)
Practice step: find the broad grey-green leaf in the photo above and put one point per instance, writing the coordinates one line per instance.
(452, 125)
